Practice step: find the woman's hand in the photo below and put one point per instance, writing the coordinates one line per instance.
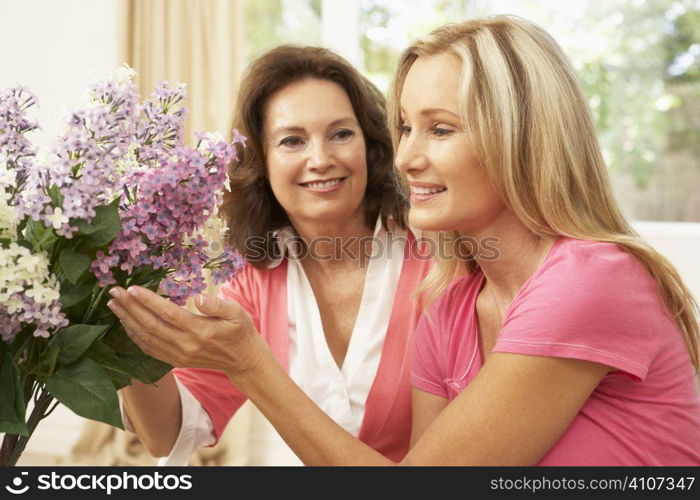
(224, 338)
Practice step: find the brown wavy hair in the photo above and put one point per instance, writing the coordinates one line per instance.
(250, 209)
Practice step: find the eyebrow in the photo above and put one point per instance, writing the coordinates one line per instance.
(287, 129)
(433, 111)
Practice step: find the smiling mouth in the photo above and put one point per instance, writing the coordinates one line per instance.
(422, 191)
(322, 184)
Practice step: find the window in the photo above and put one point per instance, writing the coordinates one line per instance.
(270, 23)
(638, 62)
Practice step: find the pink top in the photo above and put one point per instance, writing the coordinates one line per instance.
(386, 426)
(590, 301)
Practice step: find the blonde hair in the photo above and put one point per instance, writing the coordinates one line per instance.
(528, 119)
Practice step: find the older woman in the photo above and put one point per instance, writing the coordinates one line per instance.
(315, 210)
(578, 345)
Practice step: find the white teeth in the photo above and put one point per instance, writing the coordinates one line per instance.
(425, 190)
(322, 185)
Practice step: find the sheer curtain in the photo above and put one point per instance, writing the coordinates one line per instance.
(198, 42)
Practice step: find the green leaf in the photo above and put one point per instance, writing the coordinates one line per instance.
(103, 228)
(20, 342)
(120, 371)
(120, 342)
(86, 389)
(73, 264)
(22, 225)
(56, 196)
(75, 294)
(47, 363)
(141, 366)
(40, 236)
(74, 340)
(145, 368)
(12, 407)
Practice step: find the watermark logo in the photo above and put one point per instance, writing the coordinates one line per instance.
(326, 248)
(114, 482)
(108, 483)
(17, 488)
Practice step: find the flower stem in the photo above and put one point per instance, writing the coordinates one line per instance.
(94, 304)
(13, 445)
(8, 445)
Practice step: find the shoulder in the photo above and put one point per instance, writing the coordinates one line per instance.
(592, 272)
(457, 299)
(590, 300)
(597, 254)
(574, 252)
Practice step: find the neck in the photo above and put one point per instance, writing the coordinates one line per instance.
(334, 244)
(520, 253)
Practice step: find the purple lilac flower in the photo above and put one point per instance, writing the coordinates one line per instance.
(229, 263)
(173, 200)
(162, 129)
(17, 154)
(168, 193)
(85, 163)
(238, 138)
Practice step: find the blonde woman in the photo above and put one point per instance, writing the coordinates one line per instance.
(578, 345)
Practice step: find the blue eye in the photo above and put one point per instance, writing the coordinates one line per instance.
(404, 129)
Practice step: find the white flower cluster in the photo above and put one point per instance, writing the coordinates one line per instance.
(207, 139)
(129, 164)
(29, 293)
(7, 176)
(121, 76)
(8, 217)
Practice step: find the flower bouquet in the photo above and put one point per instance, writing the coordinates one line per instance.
(118, 200)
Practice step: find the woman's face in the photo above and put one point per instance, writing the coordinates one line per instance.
(449, 188)
(315, 152)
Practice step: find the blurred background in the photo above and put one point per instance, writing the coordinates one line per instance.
(638, 62)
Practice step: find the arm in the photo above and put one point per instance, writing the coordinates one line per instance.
(511, 414)
(528, 400)
(155, 412)
(426, 408)
(195, 430)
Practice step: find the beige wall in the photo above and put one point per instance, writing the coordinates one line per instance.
(52, 47)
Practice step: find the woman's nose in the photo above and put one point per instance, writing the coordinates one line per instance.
(410, 156)
(319, 156)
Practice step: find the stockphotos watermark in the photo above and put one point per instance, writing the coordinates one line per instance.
(101, 482)
(326, 248)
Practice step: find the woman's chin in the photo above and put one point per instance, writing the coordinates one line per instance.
(426, 222)
(324, 215)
